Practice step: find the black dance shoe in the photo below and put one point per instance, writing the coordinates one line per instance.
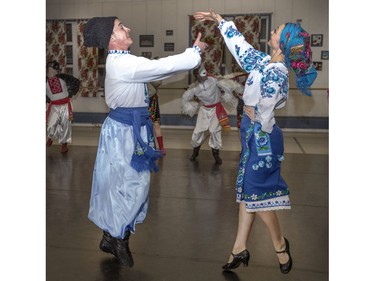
(108, 243)
(117, 247)
(195, 153)
(215, 153)
(122, 251)
(286, 267)
(239, 258)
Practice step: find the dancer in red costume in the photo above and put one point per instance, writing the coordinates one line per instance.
(59, 89)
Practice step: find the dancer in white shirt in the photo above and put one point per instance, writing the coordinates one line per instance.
(126, 152)
(208, 93)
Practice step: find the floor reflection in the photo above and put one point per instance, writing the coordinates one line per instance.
(230, 276)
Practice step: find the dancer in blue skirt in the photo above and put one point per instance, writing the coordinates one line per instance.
(260, 188)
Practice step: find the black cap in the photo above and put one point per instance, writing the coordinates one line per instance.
(54, 64)
(97, 32)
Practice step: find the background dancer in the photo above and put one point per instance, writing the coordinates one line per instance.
(59, 89)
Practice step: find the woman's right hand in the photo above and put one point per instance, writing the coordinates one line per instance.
(211, 16)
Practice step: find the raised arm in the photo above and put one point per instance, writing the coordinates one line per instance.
(140, 69)
(244, 53)
(210, 16)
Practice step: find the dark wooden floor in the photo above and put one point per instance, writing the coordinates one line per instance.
(191, 224)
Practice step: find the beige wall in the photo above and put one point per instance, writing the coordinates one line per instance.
(156, 16)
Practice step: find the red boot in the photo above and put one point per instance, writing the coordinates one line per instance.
(160, 143)
(64, 148)
(49, 142)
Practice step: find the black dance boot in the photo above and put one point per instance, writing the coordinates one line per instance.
(108, 243)
(195, 153)
(122, 251)
(215, 153)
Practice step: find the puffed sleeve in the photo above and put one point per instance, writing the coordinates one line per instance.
(247, 57)
(273, 95)
(189, 105)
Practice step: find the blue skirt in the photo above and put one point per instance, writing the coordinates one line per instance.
(259, 181)
(119, 195)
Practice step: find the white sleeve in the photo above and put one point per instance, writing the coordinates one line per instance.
(140, 69)
(247, 57)
(188, 105)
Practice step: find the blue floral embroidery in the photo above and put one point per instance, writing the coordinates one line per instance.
(265, 195)
(139, 150)
(261, 164)
(269, 204)
(274, 78)
(230, 32)
(251, 59)
(250, 81)
(262, 141)
(246, 132)
(221, 24)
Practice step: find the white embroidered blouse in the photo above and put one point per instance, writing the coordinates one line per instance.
(267, 85)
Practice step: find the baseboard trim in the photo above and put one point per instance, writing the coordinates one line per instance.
(177, 120)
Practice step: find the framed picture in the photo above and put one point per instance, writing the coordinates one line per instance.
(316, 40)
(146, 40)
(318, 65)
(168, 47)
(324, 55)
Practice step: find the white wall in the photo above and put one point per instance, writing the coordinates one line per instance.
(157, 16)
